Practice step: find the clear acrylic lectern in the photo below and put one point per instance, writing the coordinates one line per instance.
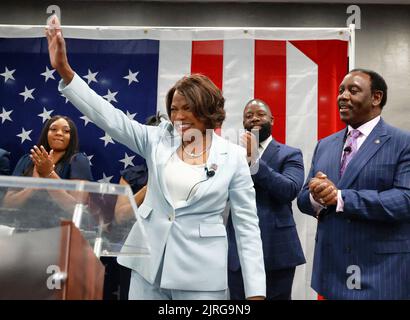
(52, 233)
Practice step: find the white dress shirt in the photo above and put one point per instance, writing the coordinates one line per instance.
(263, 145)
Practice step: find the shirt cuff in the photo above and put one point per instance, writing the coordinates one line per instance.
(340, 203)
(316, 205)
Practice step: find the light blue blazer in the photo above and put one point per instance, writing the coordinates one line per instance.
(190, 239)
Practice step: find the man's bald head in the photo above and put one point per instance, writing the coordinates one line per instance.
(257, 116)
(258, 103)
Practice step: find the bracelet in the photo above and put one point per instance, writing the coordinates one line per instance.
(49, 175)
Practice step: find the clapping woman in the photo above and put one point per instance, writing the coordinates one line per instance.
(55, 156)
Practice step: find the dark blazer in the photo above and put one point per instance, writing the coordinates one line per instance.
(372, 234)
(4, 162)
(277, 182)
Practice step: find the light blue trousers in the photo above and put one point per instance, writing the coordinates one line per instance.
(141, 289)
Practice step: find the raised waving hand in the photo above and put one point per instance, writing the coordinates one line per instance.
(57, 50)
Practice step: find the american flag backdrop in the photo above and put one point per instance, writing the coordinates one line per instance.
(296, 71)
(123, 72)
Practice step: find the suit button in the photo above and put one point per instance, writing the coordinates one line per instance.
(348, 249)
(348, 220)
(171, 217)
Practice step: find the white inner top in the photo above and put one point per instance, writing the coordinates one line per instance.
(182, 179)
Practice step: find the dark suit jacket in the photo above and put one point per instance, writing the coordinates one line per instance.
(277, 183)
(4, 162)
(373, 232)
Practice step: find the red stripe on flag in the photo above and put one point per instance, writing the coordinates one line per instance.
(331, 58)
(207, 58)
(270, 82)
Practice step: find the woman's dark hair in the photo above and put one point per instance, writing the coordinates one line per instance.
(155, 119)
(72, 147)
(203, 97)
(377, 83)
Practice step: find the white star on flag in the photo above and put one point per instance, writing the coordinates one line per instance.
(91, 76)
(127, 160)
(24, 135)
(132, 77)
(27, 93)
(110, 96)
(89, 158)
(105, 179)
(66, 100)
(8, 74)
(48, 74)
(131, 116)
(45, 115)
(86, 120)
(107, 139)
(5, 115)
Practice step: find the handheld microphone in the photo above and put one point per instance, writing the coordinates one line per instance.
(347, 149)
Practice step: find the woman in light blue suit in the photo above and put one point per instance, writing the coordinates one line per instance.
(192, 174)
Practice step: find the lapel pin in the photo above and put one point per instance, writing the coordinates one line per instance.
(377, 141)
